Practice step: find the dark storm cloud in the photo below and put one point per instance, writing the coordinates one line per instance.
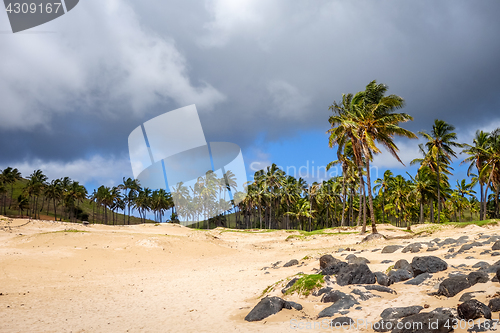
(253, 68)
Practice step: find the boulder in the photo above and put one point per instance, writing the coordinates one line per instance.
(468, 296)
(292, 262)
(419, 279)
(363, 295)
(359, 260)
(473, 309)
(478, 277)
(267, 307)
(403, 264)
(413, 248)
(387, 261)
(432, 249)
(343, 303)
(339, 321)
(294, 305)
(355, 274)
(322, 291)
(494, 304)
(400, 312)
(330, 265)
(289, 284)
(350, 256)
(382, 279)
(496, 246)
(428, 264)
(380, 288)
(481, 265)
(398, 275)
(332, 296)
(327, 260)
(448, 241)
(428, 322)
(497, 274)
(453, 285)
(391, 248)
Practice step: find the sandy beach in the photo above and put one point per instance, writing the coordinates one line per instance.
(169, 278)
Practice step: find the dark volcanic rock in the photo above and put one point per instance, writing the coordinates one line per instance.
(432, 249)
(478, 277)
(380, 288)
(330, 265)
(453, 285)
(363, 295)
(413, 248)
(359, 260)
(387, 261)
(495, 254)
(481, 264)
(494, 304)
(419, 279)
(292, 262)
(382, 279)
(401, 312)
(428, 264)
(294, 305)
(332, 296)
(448, 241)
(322, 291)
(473, 309)
(355, 274)
(398, 275)
(344, 303)
(350, 256)
(289, 284)
(427, 322)
(391, 248)
(496, 246)
(468, 296)
(339, 321)
(403, 264)
(267, 307)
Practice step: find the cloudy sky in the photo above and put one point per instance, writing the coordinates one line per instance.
(262, 74)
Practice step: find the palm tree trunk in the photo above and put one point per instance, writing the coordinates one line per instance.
(383, 206)
(370, 197)
(486, 192)
(421, 211)
(431, 206)
(344, 198)
(481, 204)
(439, 195)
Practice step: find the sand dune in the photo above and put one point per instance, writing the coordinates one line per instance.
(169, 278)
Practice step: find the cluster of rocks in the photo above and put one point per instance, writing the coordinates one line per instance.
(354, 270)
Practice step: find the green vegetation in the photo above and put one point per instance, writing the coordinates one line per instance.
(306, 284)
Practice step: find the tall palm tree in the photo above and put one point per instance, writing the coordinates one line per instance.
(477, 158)
(440, 143)
(381, 185)
(491, 168)
(54, 192)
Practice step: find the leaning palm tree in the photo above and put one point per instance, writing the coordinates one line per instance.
(440, 143)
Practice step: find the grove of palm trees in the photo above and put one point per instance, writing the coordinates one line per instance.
(360, 125)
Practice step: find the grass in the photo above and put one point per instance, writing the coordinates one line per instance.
(306, 284)
(389, 269)
(306, 258)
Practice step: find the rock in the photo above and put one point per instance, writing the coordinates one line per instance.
(355, 274)
(451, 250)
(473, 309)
(382, 279)
(384, 325)
(371, 237)
(456, 273)
(375, 250)
(448, 241)
(327, 260)
(380, 288)
(470, 257)
(400, 312)
(492, 268)
(467, 247)
(339, 321)
(496, 246)
(386, 261)
(419, 279)
(486, 326)
(428, 322)
(413, 248)
(359, 260)
(403, 264)
(497, 274)
(468, 296)
(495, 279)
(267, 307)
(391, 248)
(428, 264)
(322, 291)
(432, 249)
(478, 277)
(398, 275)
(494, 304)
(289, 284)
(332, 296)
(484, 252)
(292, 262)
(495, 254)
(449, 256)
(453, 285)
(344, 303)
(294, 305)
(462, 239)
(481, 264)
(363, 295)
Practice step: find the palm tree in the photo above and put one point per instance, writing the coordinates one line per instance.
(477, 158)
(440, 143)
(491, 166)
(54, 192)
(381, 185)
